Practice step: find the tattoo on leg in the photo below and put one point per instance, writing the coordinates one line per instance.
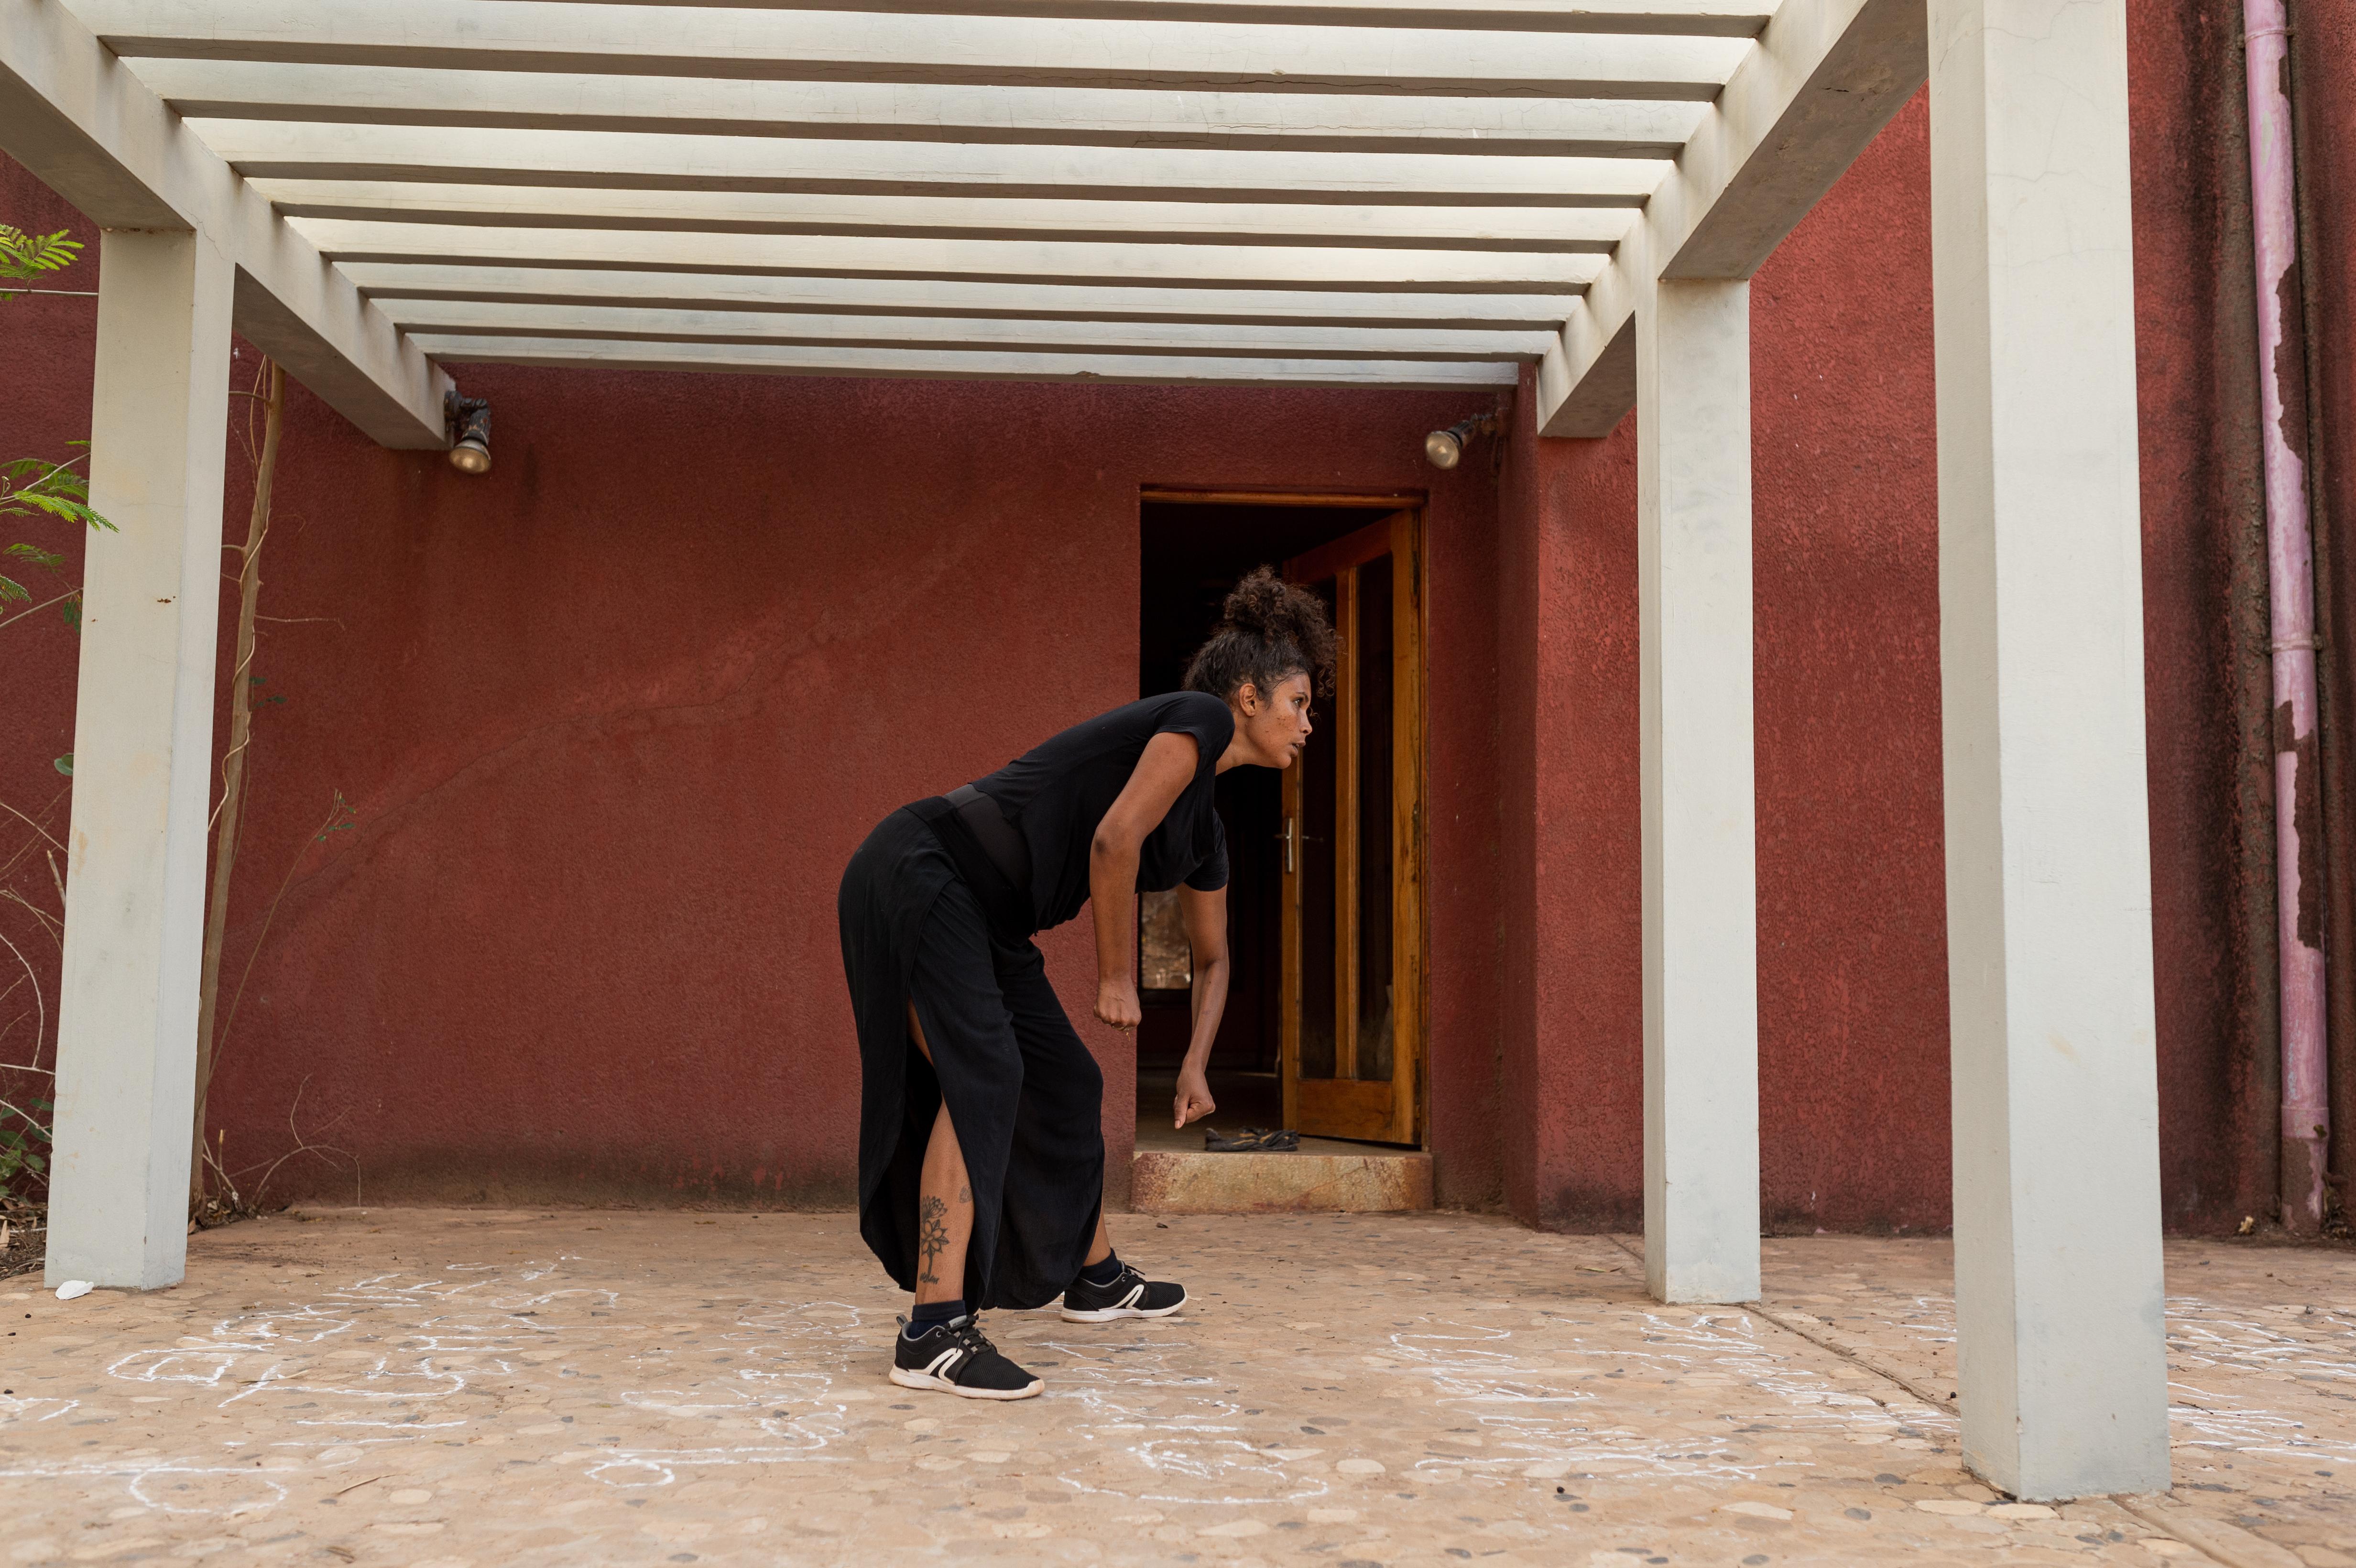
(965, 1193)
(933, 1235)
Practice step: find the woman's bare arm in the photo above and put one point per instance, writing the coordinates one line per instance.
(1205, 916)
(1163, 774)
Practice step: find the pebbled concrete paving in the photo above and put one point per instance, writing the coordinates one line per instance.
(457, 1390)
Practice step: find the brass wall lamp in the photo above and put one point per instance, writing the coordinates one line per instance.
(469, 421)
(1445, 448)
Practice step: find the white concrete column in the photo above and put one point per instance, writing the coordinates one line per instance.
(2049, 877)
(143, 763)
(1701, 965)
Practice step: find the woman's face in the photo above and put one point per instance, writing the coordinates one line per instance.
(1274, 727)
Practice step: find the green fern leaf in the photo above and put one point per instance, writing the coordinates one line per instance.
(24, 255)
(59, 506)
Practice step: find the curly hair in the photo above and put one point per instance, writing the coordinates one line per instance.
(1268, 630)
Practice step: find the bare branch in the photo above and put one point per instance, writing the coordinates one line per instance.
(234, 752)
(49, 923)
(270, 916)
(30, 823)
(230, 813)
(41, 606)
(31, 844)
(212, 1158)
(41, 1026)
(303, 1145)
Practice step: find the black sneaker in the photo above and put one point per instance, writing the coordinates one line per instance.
(1130, 1296)
(955, 1358)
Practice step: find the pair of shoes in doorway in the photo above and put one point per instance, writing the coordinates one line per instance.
(957, 1358)
(1252, 1140)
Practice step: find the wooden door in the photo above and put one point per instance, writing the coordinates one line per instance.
(1354, 1000)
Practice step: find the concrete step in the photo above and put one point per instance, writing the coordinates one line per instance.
(1324, 1176)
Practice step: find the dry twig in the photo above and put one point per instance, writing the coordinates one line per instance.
(40, 1028)
(269, 916)
(231, 812)
(30, 823)
(41, 606)
(31, 844)
(304, 1146)
(49, 923)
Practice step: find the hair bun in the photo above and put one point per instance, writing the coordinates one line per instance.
(1269, 628)
(1260, 605)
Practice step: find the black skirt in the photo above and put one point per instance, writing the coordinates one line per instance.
(1023, 1093)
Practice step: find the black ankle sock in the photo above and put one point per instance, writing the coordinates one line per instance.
(1103, 1272)
(929, 1313)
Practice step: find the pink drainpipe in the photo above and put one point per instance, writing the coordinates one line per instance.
(2290, 568)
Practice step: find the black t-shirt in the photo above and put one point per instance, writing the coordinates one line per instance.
(1058, 791)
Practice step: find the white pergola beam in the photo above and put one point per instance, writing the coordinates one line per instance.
(142, 763)
(93, 133)
(861, 111)
(982, 334)
(1039, 263)
(2058, 1267)
(936, 364)
(1699, 817)
(393, 284)
(1592, 230)
(1826, 76)
(600, 160)
(854, 46)
(1701, 18)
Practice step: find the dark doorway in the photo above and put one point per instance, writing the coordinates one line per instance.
(1191, 554)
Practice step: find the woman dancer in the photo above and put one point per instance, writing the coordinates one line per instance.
(980, 1141)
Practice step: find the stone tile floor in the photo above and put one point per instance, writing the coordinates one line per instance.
(438, 1389)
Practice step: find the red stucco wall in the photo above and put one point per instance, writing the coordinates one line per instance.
(1853, 1082)
(1571, 1045)
(1852, 979)
(612, 718)
(609, 721)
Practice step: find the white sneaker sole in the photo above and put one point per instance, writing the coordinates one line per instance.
(922, 1379)
(1109, 1314)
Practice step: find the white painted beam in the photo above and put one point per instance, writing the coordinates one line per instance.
(143, 763)
(264, 149)
(982, 334)
(392, 283)
(852, 46)
(1699, 840)
(936, 364)
(2058, 1269)
(1701, 18)
(1001, 261)
(861, 111)
(95, 134)
(1592, 230)
(1826, 76)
